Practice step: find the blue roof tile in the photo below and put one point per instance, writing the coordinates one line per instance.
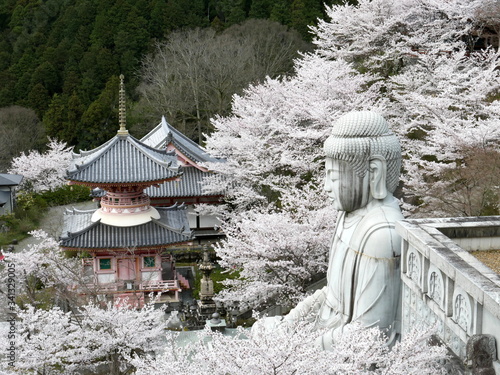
(123, 160)
(81, 233)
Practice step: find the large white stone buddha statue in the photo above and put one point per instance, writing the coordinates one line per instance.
(363, 159)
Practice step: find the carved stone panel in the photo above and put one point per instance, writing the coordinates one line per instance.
(435, 284)
(462, 310)
(414, 266)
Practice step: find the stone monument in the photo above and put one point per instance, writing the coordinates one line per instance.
(363, 159)
(206, 304)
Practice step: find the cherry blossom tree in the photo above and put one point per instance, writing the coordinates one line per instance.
(290, 349)
(381, 35)
(56, 342)
(274, 137)
(442, 94)
(412, 61)
(45, 275)
(278, 253)
(451, 129)
(90, 334)
(43, 171)
(277, 221)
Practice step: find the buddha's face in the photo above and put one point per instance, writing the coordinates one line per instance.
(347, 191)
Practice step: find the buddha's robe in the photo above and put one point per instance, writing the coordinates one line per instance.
(363, 272)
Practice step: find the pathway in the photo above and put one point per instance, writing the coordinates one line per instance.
(52, 221)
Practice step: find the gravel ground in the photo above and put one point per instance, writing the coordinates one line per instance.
(489, 257)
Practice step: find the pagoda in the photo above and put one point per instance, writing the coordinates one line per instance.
(190, 189)
(126, 239)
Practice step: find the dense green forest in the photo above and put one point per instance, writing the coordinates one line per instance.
(60, 59)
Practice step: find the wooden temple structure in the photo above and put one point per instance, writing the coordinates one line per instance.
(126, 239)
(188, 190)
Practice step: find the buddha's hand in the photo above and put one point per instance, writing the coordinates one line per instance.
(308, 308)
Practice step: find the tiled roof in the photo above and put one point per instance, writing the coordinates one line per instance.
(80, 233)
(123, 159)
(189, 185)
(164, 134)
(7, 179)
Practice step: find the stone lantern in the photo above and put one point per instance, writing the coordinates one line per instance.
(206, 304)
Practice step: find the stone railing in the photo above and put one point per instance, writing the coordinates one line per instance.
(444, 286)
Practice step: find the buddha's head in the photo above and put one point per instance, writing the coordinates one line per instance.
(363, 160)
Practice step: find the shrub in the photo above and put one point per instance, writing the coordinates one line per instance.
(66, 195)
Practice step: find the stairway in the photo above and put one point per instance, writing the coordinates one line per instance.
(182, 281)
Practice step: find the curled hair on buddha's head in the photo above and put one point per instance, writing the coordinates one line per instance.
(358, 136)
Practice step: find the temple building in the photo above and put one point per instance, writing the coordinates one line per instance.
(126, 239)
(189, 189)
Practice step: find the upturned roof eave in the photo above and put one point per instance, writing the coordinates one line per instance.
(96, 184)
(73, 236)
(156, 233)
(124, 249)
(90, 159)
(170, 135)
(191, 149)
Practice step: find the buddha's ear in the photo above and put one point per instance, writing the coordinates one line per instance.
(378, 172)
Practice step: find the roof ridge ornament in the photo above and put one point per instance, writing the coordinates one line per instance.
(166, 126)
(122, 119)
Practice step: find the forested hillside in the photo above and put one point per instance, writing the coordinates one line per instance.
(61, 58)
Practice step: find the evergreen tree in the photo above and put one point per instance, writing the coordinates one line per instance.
(280, 12)
(38, 99)
(100, 119)
(51, 49)
(260, 9)
(304, 13)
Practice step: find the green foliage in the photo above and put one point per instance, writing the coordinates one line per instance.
(51, 51)
(9, 232)
(20, 130)
(100, 120)
(31, 207)
(260, 9)
(281, 12)
(303, 14)
(218, 275)
(66, 195)
(491, 206)
(38, 99)
(26, 217)
(36, 294)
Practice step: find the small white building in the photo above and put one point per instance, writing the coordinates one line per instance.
(8, 184)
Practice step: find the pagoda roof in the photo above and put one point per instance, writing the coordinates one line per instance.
(123, 160)
(81, 233)
(164, 134)
(190, 185)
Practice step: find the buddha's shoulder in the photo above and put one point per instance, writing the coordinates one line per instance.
(376, 232)
(384, 215)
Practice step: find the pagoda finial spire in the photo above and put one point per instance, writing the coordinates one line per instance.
(122, 119)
